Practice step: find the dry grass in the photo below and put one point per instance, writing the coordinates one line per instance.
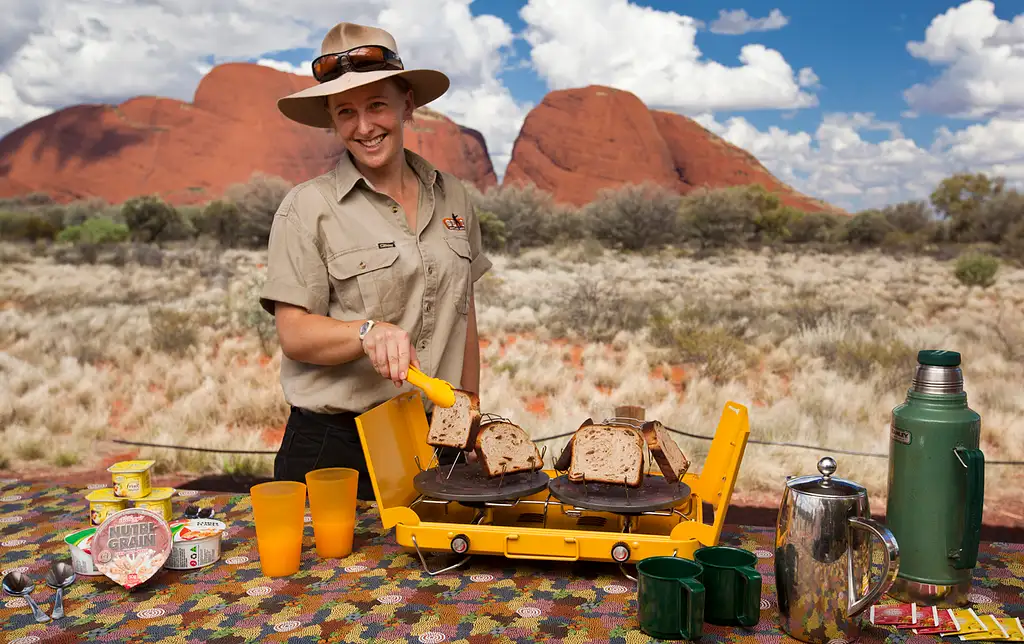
(820, 348)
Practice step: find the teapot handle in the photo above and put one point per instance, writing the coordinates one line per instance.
(890, 567)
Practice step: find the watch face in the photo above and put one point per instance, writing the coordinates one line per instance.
(363, 329)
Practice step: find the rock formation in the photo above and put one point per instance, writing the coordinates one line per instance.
(191, 152)
(578, 141)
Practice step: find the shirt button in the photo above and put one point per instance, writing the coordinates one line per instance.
(362, 264)
(394, 208)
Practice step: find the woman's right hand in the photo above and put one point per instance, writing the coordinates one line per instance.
(390, 351)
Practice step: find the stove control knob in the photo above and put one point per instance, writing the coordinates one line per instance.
(460, 544)
(620, 552)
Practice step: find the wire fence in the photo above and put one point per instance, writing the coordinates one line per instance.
(752, 441)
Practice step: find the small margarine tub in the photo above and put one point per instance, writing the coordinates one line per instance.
(195, 544)
(158, 500)
(131, 478)
(80, 545)
(103, 503)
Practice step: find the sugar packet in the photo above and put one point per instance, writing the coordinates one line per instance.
(894, 614)
(993, 631)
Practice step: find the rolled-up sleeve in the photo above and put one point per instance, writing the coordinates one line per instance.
(296, 273)
(480, 262)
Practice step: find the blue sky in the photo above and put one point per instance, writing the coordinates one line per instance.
(858, 103)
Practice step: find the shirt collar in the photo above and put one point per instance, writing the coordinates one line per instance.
(347, 175)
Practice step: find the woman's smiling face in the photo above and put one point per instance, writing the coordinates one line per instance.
(369, 120)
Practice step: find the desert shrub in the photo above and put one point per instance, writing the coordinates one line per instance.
(597, 310)
(1013, 241)
(251, 315)
(150, 219)
(78, 212)
(527, 213)
(976, 269)
(492, 230)
(172, 331)
(867, 228)
(718, 218)
(220, 220)
(634, 217)
(960, 198)
(688, 338)
(26, 226)
(908, 217)
(95, 231)
(814, 228)
(997, 216)
(775, 224)
(892, 360)
(257, 201)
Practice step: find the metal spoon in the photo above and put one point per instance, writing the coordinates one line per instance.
(60, 576)
(19, 585)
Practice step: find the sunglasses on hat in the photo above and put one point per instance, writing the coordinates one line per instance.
(368, 58)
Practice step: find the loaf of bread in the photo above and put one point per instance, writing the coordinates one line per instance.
(456, 426)
(505, 447)
(607, 454)
(671, 460)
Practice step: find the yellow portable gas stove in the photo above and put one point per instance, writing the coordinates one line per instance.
(540, 515)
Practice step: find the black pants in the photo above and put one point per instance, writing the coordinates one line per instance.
(315, 441)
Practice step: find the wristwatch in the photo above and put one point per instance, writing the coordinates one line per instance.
(363, 330)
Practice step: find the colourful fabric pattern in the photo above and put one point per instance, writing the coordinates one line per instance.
(378, 594)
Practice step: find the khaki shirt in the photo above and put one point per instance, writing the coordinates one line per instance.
(340, 248)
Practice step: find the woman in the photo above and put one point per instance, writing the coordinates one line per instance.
(371, 264)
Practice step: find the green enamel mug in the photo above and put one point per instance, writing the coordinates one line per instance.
(732, 585)
(670, 598)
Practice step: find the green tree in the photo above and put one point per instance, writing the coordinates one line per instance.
(960, 198)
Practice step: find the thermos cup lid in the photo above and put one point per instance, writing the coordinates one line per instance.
(938, 358)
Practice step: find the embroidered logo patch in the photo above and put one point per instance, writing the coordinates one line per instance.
(390, 244)
(455, 223)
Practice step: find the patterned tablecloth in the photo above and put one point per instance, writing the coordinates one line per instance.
(378, 594)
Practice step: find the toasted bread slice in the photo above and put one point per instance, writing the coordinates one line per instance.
(456, 426)
(670, 459)
(506, 447)
(607, 454)
(565, 459)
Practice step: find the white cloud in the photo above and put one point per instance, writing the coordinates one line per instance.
(654, 55)
(115, 50)
(837, 164)
(737, 22)
(302, 69)
(984, 63)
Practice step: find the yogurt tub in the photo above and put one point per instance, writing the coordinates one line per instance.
(103, 503)
(196, 543)
(80, 545)
(131, 546)
(158, 500)
(131, 478)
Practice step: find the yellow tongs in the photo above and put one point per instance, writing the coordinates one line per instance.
(439, 391)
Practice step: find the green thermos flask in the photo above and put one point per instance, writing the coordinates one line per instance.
(936, 485)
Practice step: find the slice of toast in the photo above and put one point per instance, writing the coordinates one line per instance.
(565, 459)
(456, 426)
(671, 460)
(506, 447)
(607, 454)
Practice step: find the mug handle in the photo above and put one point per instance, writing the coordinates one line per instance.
(691, 608)
(749, 596)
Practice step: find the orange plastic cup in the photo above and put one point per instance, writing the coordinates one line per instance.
(278, 508)
(332, 504)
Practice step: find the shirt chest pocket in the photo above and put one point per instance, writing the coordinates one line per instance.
(460, 260)
(368, 283)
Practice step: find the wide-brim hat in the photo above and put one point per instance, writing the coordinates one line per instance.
(309, 106)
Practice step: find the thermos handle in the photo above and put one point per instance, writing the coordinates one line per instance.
(974, 461)
(890, 567)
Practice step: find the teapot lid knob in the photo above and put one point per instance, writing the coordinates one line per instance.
(827, 466)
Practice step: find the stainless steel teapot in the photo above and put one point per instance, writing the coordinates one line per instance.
(823, 557)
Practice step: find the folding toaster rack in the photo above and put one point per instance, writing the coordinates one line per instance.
(540, 515)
